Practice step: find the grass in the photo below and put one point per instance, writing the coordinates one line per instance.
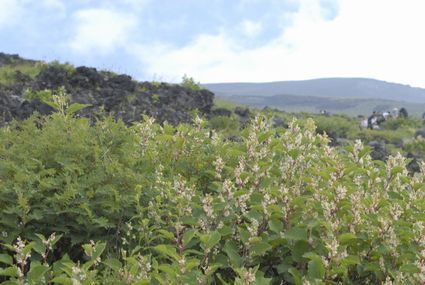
(221, 103)
(8, 72)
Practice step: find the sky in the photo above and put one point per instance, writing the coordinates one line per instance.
(224, 40)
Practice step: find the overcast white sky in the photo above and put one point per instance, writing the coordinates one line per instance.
(224, 40)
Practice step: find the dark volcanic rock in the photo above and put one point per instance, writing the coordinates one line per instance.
(6, 59)
(244, 115)
(379, 152)
(413, 166)
(221, 112)
(117, 95)
(420, 132)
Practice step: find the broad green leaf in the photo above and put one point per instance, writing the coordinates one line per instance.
(409, 268)
(36, 273)
(275, 226)
(261, 280)
(39, 247)
(295, 275)
(62, 280)
(232, 251)
(191, 263)
(188, 236)
(100, 247)
(214, 238)
(75, 107)
(10, 282)
(141, 282)
(225, 231)
(260, 248)
(171, 270)
(316, 270)
(6, 259)
(11, 271)
(113, 263)
(296, 234)
(168, 235)
(299, 249)
(167, 250)
(27, 249)
(351, 260)
(347, 238)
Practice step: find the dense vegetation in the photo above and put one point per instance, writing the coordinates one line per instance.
(107, 203)
(91, 194)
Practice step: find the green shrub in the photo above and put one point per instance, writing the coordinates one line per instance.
(179, 205)
(337, 126)
(401, 123)
(416, 147)
(190, 83)
(8, 72)
(225, 124)
(387, 136)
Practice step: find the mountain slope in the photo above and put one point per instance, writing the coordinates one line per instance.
(325, 87)
(351, 96)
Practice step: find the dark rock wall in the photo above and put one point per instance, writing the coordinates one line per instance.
(117, 95)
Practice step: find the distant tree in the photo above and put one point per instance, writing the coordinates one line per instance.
(403, 113)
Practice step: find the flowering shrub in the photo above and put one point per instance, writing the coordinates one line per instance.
(182, 205)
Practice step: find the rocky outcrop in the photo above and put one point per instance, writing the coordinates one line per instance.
(115, 94)
(8, 59)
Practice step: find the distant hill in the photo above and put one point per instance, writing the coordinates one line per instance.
(340, 95)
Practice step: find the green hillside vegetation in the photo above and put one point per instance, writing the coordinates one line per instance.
(264, 201)
(336, 105)
(21, 67)
(8, 72)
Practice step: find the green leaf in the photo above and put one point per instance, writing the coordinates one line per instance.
(168, 269)
(351, 260)
(409, 268)
(9, 282)
(299, 249)
(296, 234)
(261, 280)
(27, 249)
(260, 248)
(76, 107)
(52, 104)
(214, 238)
(167, 250)
(316, 270)
(11, 271)
(275, 226)
(372, 267)
(188, 236)
(113, 263)
(6, 259)
(36, 273)
(41, 237)
(62, 280)
(191, 263)
(347, 238)
(295, 275)
(141, 282)
(226, 231)
(232, 251)
(100, 247)
(39, 247)
(168, 235)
